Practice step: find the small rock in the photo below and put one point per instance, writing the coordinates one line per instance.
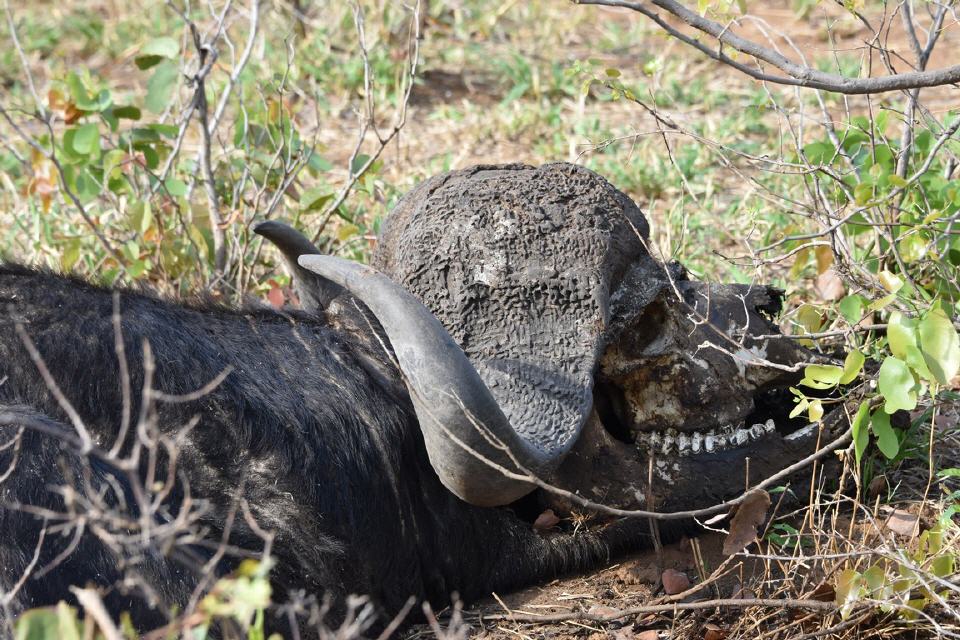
(603, 610)
(903, 523)
(674, 582)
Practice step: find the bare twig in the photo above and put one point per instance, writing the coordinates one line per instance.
(796, 74)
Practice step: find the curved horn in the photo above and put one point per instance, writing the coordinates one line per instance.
(448, 395)
(315, 292)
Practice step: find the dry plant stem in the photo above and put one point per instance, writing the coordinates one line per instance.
(7, 598)
(368, 119)
(86, 443)
(93, 605)
(720, 603)
(796, 74)
(50, 155)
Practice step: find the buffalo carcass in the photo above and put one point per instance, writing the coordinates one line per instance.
(515, 324)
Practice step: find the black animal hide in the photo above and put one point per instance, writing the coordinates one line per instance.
(311, 428)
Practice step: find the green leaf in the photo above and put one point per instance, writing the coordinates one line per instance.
(902, 339)
(112, 163)
(801, 406)
(858, 429)
(819, 152)
(316, 198)
(896, 384)
(863, 193)
(943, 566)
(821, 376)
(358, 163)
(127, 112)
(347, 231)
(318, 163)
(71, 254)
(852, 307)
(849, 589)
(852, 365)
(815, 411)
(155, 51)
(49, 623)
(176, 188)
(141, 216)
(896, 180)
(161, 85)
(940, 344)
(612, 73)
(887, 440)
(890, 281)
(901, 334)
(876, 580)
(86, 140)
(876, 305)
(83, 98)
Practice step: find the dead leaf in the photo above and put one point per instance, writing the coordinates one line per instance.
(824, 256)
(743, 527)
(674, 582)
(649, 634)
(546, 521)
(275, 295)
(829, 286)
(903, 523)
(877, 486)
(713, 632)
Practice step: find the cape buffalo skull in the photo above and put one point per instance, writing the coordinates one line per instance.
(526, 310)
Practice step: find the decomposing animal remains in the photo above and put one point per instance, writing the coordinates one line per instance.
(513, 322)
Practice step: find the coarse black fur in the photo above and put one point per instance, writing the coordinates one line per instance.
(312, 427)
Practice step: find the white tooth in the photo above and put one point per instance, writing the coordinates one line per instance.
(721, 441)
(683, 443)
(710, 441)
(802, 432)
(756, 431)
(740, 437)
(667, 444)
(696, 441)
(769, 425)
(654, 439)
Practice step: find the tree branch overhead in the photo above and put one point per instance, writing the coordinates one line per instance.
(796, 74)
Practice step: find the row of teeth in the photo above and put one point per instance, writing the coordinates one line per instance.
(727, 437)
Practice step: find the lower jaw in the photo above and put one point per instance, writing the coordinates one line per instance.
(615, 473)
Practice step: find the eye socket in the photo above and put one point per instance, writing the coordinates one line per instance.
(611, 406)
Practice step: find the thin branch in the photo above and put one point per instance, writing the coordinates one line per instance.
(796, 74)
